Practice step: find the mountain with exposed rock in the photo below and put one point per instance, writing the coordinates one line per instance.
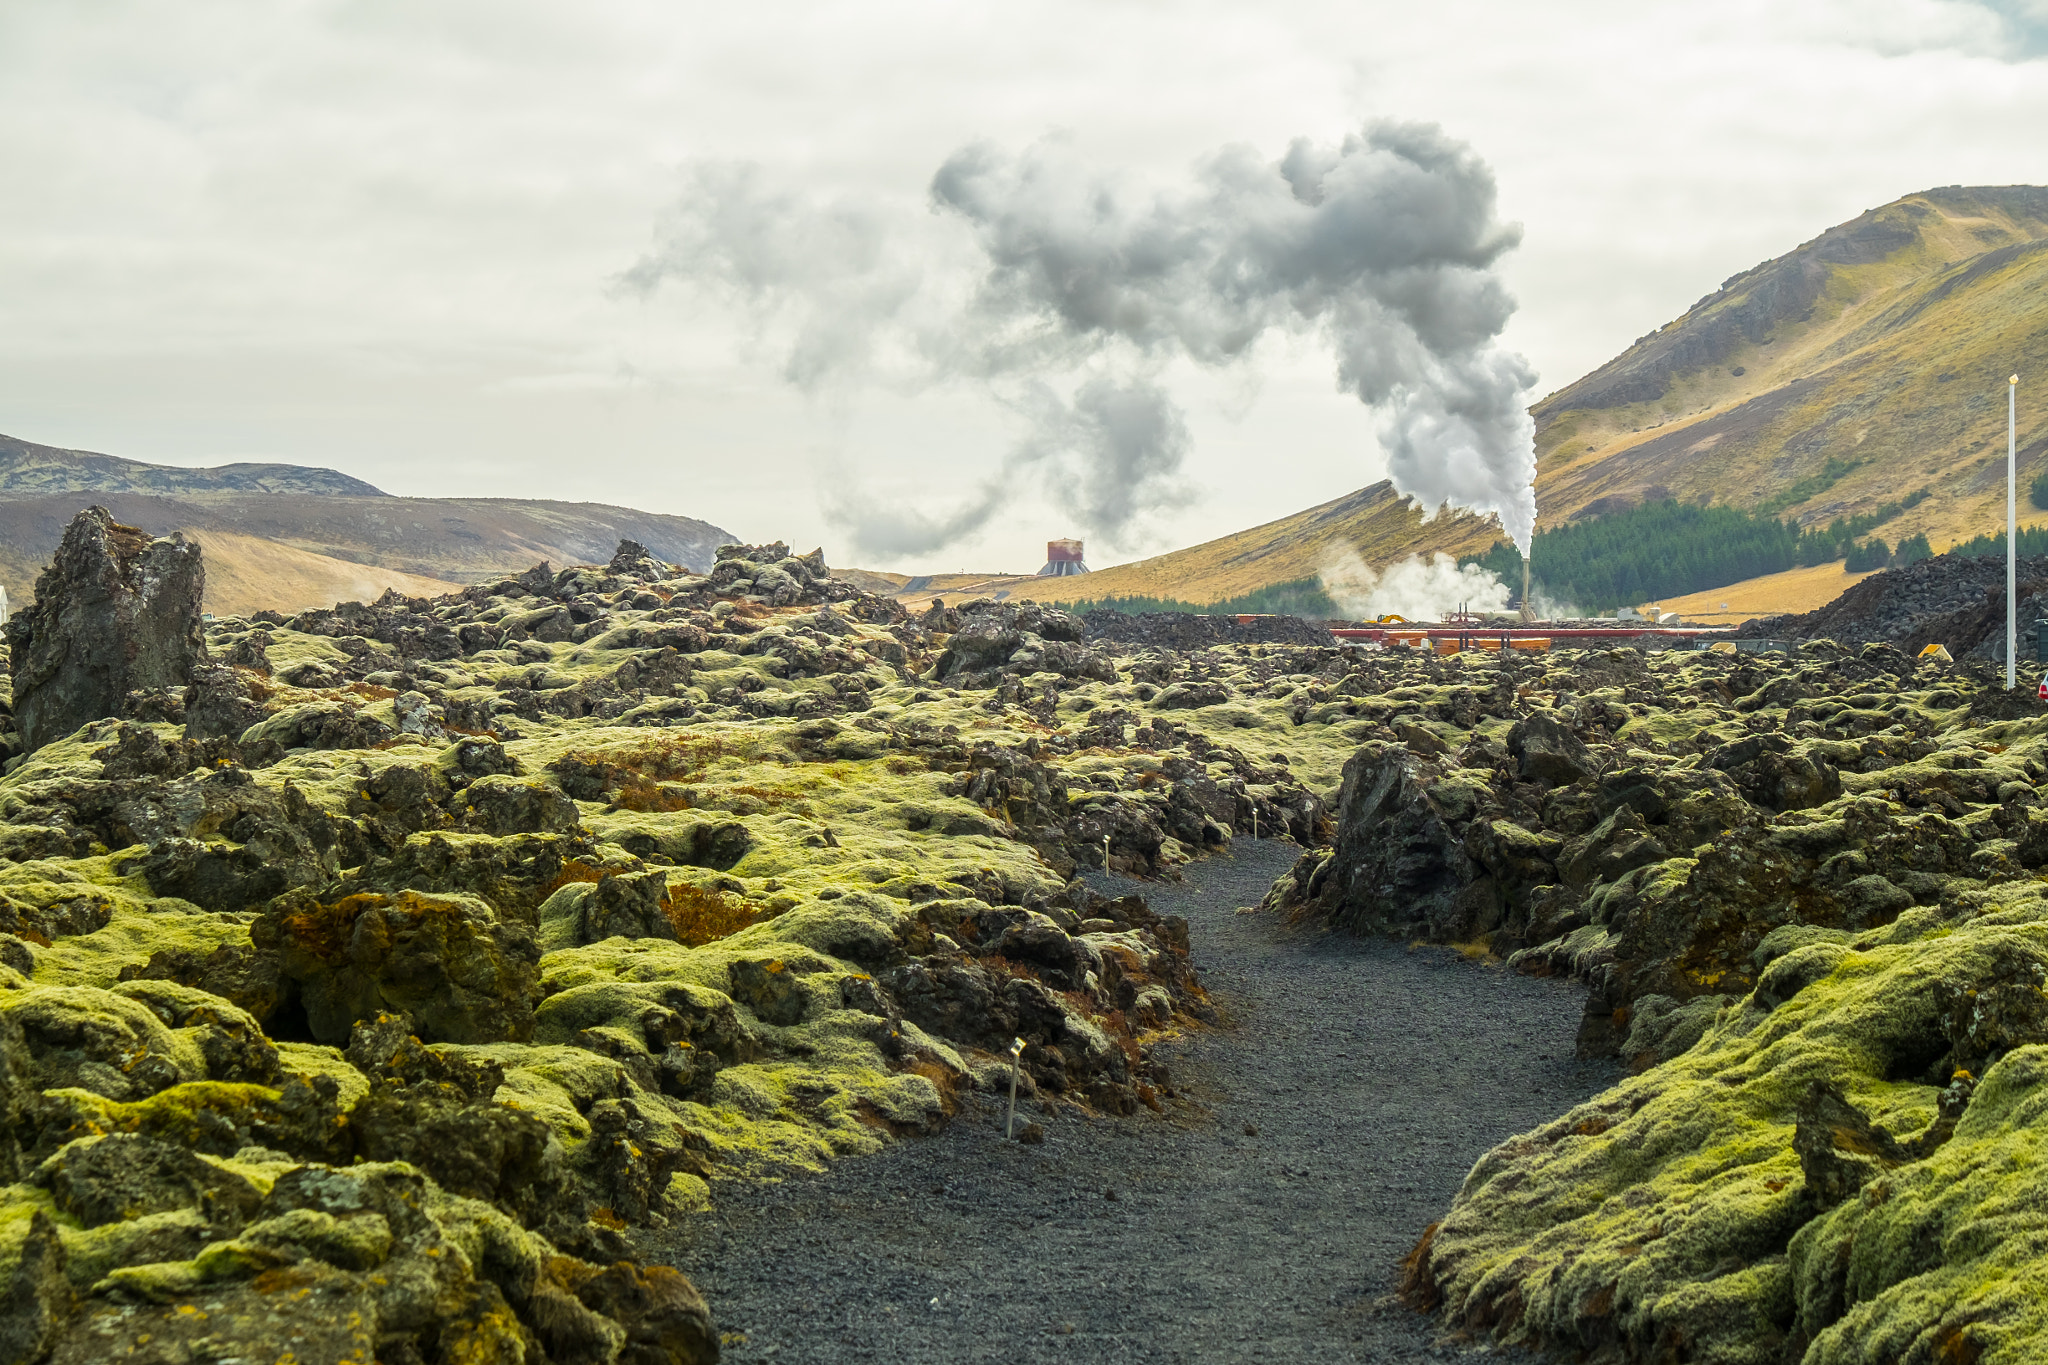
(1862, 365)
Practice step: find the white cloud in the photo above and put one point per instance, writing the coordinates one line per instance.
(379, 235)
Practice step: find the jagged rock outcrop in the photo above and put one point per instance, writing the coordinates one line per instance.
(466, 974)
(116, 613)
(1017, 638)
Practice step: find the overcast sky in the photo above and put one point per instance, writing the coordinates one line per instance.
(387, 235)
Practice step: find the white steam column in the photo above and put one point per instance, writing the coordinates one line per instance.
(2012, 476)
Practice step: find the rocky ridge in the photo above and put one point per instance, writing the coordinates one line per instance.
(368, 990)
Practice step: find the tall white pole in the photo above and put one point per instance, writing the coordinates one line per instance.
(2012, 479)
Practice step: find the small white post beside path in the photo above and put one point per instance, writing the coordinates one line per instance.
(1016, 1054)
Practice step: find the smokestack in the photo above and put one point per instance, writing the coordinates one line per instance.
(1528, 611)
(1063, 559)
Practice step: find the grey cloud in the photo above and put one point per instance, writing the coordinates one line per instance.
(886, 527)
(1383, 247)
(2025, 23)
(835, 269)
(1108, 459)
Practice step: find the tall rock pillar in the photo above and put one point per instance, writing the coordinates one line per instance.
(116, 611)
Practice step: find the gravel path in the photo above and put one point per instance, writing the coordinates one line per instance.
(1331, 1122)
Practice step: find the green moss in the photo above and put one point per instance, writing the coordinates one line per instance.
(130, 938)
(856, 927)
(1946, 1258)
(173, 1114)
(619, 1004)
(309, 1060)
(289, 648)
(99, 1257)
(1669, 1203)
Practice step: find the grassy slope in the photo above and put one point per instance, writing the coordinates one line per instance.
(246, 574)
(1886, 341)
(1375, 522)
(1795, 590)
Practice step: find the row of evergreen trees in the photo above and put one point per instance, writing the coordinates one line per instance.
(1875, 554)
(2033, 541)
(1659, 550)
(1669, 549)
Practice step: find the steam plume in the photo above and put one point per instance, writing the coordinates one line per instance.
(1414, 588)
(1042, 274)
(1105, 458)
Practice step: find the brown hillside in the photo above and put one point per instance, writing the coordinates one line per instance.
(1861, 366)
(323, 517)
(1376, 522)
(247, 574)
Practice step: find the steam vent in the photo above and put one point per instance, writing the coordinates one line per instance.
(1062, 559)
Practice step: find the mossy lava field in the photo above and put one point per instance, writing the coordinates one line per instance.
(370, 988)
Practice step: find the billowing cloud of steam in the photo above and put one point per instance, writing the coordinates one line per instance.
(1108, 456)
(1069, 276)
(1414, 588)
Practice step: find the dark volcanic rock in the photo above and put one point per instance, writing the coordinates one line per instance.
(1548, 752)
(1399, 858)
(448, 961)
(1021, 638)
(116, 612)
(1189, 630)
(1948, 600)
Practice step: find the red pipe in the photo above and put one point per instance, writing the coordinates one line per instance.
(1380, 633)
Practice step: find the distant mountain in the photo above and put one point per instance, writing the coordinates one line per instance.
(27, 469)
(334, 534)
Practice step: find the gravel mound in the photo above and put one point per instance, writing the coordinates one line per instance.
(1264, 1218)
(1947, 600)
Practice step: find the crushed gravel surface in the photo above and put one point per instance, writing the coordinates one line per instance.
(1260, 1219)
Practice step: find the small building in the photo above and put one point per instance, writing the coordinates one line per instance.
(1062, 559)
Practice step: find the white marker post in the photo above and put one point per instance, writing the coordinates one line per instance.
(1105, 855)
(2012, 550)
(1016, 1052)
